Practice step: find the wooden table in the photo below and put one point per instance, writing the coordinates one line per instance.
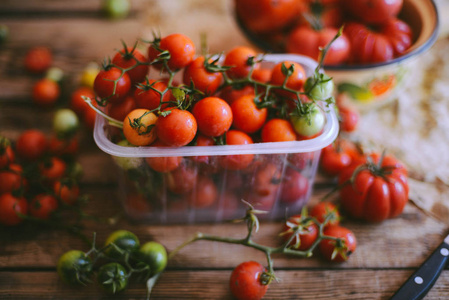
(76, 31)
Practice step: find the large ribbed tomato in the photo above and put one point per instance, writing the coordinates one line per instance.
(375, 189)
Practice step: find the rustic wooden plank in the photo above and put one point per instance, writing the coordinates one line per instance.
(213, 284)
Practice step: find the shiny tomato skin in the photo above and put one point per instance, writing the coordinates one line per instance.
(133, 59)
(294, 187)
(104, 84)
(180, 47)
(238, 58)
(373, 11)
(246, 283)
(213, 115)
(399, 34)
(372, 197)
(230, 93)
(42, 206)
(141, 135)
(322, 209)
(9, 207)
(7, 156)
(327, 247)
(247, 117)
(176, 129)
(307, 41)
(31, 144)
(237, 162)
(148, 98)
(38, 59)
(46, 92)
(295, 81)
(264, 16)
(11, 179)
(334, 160)
(203, 80)
(278, 130)
(77, 103)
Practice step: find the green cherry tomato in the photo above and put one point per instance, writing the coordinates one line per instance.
(309, 125)
(74, 267)
(4, 33)
(113, 277)
(127, 163)
(65, 122)
(116, 9)
(320, 88)
(124, 241)
(154, 255)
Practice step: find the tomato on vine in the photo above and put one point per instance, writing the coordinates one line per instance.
(132, 59)
(7, 155)
(247, 116)
(303, 230)
(11, 207)
(325, 210)
(308, 121)
(176, 127)
(203, 78)
(75, 267)
(112, 84)
(42, 206)
(180, 48)
(66, 191)
(289, 74)
(152, 94)
(213, 115)
(249, 281)
(113, 277)
(341, 247)
(121, 241)
(11, 179)
(240, 61)
(138, 127)
(154, 255)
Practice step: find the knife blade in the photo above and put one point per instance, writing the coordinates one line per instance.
(419, 283)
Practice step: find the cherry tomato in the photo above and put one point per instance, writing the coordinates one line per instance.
(10, 208)
(75, 268)
(66, 192)
(295, 73)
(266, 179)
(65, 122)
(119, 111)
(124, 241)
(231, 93)
(154, 255)
(7, 155)
(213, 115)
(305, 232)
(112, 84)
(373, 11)
(309, 125)
(379, 189)
(307, 41)
(204, 80)
(334, 159)
(266, 16)
(278, 130)
(294, 187)
(181, 49)
(237, 162)
(46, 92)
(77, 103)
(338, 250)
(247, 117)
(320, 88)
(11, 179)
(42, 206)
(31, 144)
(249, 281)
(163, 164)
(205, 194)
(147, 97)
(323, 210)
(116, 9)
(61, 146)
(182, 180)
(132, 59)
(38, 59)
(113, 277)
(349, 118)
(52, 169)
(261, 75)
(177, 128)
(241, 59)
(138, 127)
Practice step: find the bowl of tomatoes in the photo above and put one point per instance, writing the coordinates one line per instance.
(203, 138)
(372, 59)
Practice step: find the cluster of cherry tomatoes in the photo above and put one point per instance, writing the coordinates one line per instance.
(121, 256)
(167, 96)
(38, 176)
(373, 32)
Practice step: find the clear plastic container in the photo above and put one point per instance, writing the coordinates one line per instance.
(279, 179)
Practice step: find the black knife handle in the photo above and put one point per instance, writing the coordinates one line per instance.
(419, 284)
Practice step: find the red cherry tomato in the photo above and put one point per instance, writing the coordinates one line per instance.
(66, 192)
(46, 92)
(249, 281)
(278, 130)
(181, 49)
(7, 155)
(247, 117)
(373, 11)
(132, 59)
(203, 80)
(230, 93)
(77, 103)
(10, 208)
(237, 162)
(349, 118)
(181, 180)
(338, 250)
(119, 111)
(31, 144)
(163, 164)
(213, 115)
(294, 187)
(11, 179)
(176, 129)
(334, 159)
(42, 206)
(52, 169)
(307, 41)
(296, 76)
(324, 210)
(148, 95)
(38, 59)
(205, 194)
(306, 234)
(241, 60)
(112, 84)
(379, 190)
(60, 147)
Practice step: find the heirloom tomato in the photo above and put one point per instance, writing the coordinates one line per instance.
(374, 189)
(337, 250)
(249, 281)
(373, 11)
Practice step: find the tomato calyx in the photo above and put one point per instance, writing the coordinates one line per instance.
(340, 248)
(139, 126)
(211, 64)
(376, 169)
(4, 144)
